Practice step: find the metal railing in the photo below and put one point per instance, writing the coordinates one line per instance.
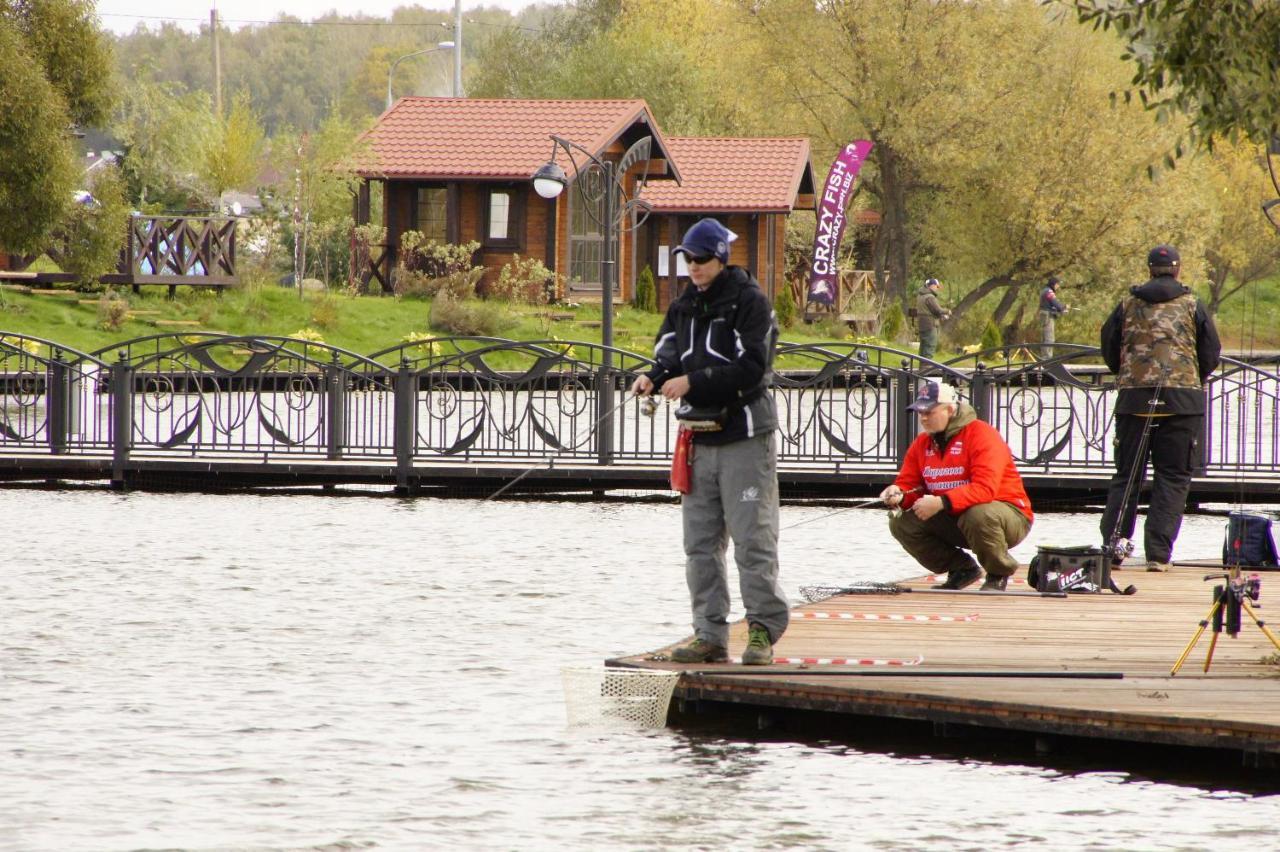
(841, 406)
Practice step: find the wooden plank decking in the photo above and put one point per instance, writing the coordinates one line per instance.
(980, 668)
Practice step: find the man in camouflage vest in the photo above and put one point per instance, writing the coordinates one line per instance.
(1162, 345)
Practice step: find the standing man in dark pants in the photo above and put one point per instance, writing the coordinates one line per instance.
(1051, 308)
(929, 316)
(714, 353)
(1162, 345)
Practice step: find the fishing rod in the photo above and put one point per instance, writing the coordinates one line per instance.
(735, 671)
(627, 396)
(861, 504)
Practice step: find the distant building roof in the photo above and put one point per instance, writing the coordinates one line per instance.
(452, 138)
(763, 175)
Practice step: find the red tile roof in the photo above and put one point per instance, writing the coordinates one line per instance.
(725, 175)
(448, 138)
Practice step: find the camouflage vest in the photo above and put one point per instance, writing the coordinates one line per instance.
(1159, 344)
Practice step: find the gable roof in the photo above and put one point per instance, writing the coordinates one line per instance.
(482, 139)
(726, 175)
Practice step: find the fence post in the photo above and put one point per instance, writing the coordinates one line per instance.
(903, 423)
(980, 391)
(404, 425)
(335, 393)
(604, 415)
(121, 419)
(57, 408)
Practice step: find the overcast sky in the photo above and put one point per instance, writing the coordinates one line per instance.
(121, 16)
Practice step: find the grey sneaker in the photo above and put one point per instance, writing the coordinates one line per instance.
(700, 651)
(961, 578)
(759, 649)
(1158, 567)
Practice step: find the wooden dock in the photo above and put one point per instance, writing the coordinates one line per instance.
(1081, 666)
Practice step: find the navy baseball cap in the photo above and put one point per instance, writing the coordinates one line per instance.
(931, 394)
(707, 238)
(1163, 255)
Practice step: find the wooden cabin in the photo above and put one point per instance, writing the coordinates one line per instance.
(459, 169)
(750, 185)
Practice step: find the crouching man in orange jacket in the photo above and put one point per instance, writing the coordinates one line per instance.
(959, 490)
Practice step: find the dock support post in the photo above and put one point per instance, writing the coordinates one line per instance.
(980, 392)
(121, 420)
(404, 427)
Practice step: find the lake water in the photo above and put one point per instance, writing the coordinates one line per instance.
(283, 672)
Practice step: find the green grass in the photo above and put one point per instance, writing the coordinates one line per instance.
(363, 325)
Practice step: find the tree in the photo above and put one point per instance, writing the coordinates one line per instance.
(1059, 184)
(232, 153)
(914, 78)
(54, 70)
(164, 127)
(1216, 62)
(1241, 248)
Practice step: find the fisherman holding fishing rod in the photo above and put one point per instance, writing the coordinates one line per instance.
(960, 490)
(714, 354)
(1162, 344)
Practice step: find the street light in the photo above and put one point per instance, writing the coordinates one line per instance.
(549, 181)
(444, 45)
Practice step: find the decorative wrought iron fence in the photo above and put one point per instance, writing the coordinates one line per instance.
(842, 406)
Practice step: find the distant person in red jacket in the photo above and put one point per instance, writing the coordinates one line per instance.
(959, 490)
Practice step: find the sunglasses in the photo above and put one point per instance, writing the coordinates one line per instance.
(701, 259)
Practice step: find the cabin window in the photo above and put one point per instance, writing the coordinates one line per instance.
(586, 232)
(431, 213)
(502, 211)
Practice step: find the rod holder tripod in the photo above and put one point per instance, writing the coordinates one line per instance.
(1229, 601)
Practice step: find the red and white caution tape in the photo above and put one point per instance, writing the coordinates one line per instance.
(886, 616)
(840, 661)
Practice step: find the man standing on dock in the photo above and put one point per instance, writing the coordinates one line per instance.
(714, 353)
(959, 489)
(1161, 343)
(1051, 308)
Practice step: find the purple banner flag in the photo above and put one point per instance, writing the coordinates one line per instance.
(824, 280)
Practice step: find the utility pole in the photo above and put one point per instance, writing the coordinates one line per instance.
(457, 48)
(217, 63)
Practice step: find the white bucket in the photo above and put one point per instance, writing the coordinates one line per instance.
(600, 697)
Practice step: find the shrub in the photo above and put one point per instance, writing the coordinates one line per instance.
(425, 270)
(470, 318)
(893, 322)
(524, 280)
(308, 334)
(784, 305)
(646, 292)
(90, 240)
(113, 310)
(363, 239)
(324, 312)
(991, 336)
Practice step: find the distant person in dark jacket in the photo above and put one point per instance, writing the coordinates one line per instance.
(714, 353)
(1051, 308)
(929, 316)
(1162, 345)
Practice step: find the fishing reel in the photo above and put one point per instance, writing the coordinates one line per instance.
(1230, 598)
(649, 405)
(1119, 550)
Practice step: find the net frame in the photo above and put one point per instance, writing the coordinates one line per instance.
(617, 698)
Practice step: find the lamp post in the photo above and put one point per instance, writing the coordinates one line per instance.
(616, 208)
(444, 45)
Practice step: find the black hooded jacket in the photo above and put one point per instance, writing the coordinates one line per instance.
(1208, 352)
(723, 339)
